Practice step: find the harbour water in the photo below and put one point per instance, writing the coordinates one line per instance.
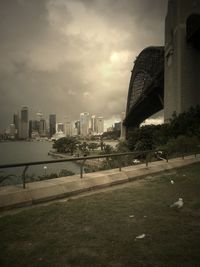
(22, 151)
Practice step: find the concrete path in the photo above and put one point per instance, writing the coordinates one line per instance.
(38, 192)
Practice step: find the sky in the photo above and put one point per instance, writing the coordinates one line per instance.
(65, 57)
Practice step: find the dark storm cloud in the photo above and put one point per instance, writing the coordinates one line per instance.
(69, 56)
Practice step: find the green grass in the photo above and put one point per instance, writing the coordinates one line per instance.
(96, 230)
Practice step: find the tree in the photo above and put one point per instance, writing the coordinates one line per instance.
(84, 148)
(93, 146)
(66, 145)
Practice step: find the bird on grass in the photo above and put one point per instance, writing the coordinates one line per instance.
(178, 204)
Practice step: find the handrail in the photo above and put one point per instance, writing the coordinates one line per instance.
(73, 159)
(83, 159)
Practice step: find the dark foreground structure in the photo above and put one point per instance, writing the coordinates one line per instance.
(146, 88)
(168, 77)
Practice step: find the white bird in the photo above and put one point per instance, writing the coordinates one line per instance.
(131, 216)
(136, 161)
(172, 182)
(178, 204)
(140, 236)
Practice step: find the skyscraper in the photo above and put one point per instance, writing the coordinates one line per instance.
(42, 128)
(93, 124)
(84, 123)
(34, 126)
(52, 124)
(60, 127)
(68, 127)
(78, 127)
(24, 123)
(100, 125)
(16, 123)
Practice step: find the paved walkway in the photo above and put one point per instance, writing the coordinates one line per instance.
(37, 192)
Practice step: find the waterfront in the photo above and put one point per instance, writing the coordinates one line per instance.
(22, 151)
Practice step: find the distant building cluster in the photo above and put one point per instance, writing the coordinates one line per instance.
(23, 129)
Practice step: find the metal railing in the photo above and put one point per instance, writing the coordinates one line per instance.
(147, 156)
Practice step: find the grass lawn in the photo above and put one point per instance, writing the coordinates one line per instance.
(97, 230)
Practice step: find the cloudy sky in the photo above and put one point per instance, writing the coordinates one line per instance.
(71, 56)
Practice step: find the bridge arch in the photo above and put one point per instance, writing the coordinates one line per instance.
(146, 87)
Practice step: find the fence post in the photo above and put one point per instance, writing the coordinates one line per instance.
(81, 168)
(120, 165)
(24, 176)
(182, 155)
(146, 160)
(167, 157)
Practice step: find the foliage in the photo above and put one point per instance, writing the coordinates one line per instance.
(53, 175)
(66, 144)
(5, 177)
(168, 135)
(92, 146)
(122, 147)
(107, 149)
(111, 135)
(182, 144)
(65, 172)
(83, 147)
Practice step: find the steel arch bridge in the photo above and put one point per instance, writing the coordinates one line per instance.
(146, 87)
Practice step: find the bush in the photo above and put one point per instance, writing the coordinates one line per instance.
(181, 144)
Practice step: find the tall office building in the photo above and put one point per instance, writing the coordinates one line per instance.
(93, 124)
(12, 131)
(34, 126)
(42, 128)
(52, 124)
(24, 123)
(78, 127)
(68, 128)
(100, 125)
(60, 127)
(84, 123)
(16, 123)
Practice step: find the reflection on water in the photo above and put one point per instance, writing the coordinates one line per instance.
(18, 152)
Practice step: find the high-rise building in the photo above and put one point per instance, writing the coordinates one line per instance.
(60, 127)
(117, 126)
(42, 128)
(24, 123)
(16, 123)
(68, 128)
(93, 124)
(100, 125)
(34, 127)
(84, 123)
(12, 131)
(78, 127)
(52, 124)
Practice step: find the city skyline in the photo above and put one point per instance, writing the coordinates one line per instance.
(73, 56)
(39, 115)
(23, 126)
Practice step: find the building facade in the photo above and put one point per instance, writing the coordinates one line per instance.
(100, 125)
(52, 124)
(93, 124)
(24, 132)
(84, 123)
